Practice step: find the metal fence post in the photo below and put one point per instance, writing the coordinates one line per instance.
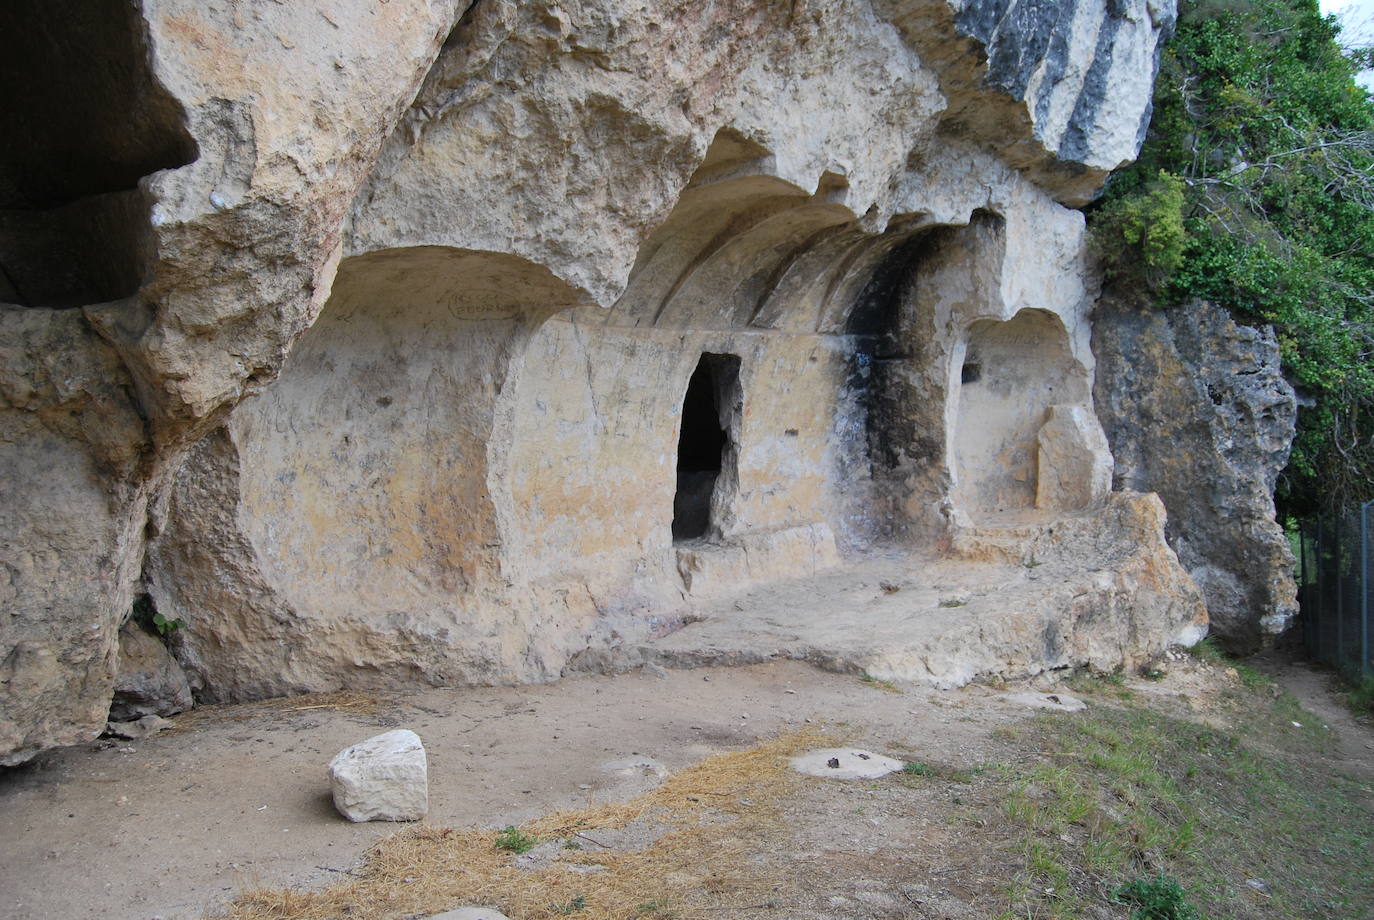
(1364, 590)
(1303, 590)
(1312, 573)
(1320, 605)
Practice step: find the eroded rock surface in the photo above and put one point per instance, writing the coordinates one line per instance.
(148, 680)
(211, 153)
(385, 778)
(497, 242)
(1197, 409)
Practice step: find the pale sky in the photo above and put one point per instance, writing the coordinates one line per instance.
(1357, 21)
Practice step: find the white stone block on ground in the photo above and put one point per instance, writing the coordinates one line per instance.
(470, 913)
(845, 763)
(384, 778)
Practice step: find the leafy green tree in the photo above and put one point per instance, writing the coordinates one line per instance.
(1255, 190)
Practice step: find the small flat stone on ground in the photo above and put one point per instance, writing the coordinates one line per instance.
(845, 763)
(138, 729)
(470, 913)
(384, 778)
(1058, 701)
(636, 766)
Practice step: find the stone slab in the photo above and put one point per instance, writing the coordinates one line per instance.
(470, 913)
(845, 763)
(1060, 702)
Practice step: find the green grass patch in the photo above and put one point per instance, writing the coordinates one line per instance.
(1207, 650)
(1157, 898)
(512, 840)
(1102, 683)
(1126, 796)
(1361, 699)
(915, 770)
(569, 908)
(1210, 652)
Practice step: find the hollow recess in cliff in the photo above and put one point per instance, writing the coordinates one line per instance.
(705, 449)
(367, 465)
(86, 121)
(1011, 374)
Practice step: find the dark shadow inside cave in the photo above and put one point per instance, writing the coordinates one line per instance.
(703, 442)
(84, 119)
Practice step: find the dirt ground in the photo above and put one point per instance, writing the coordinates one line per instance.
(237, 797)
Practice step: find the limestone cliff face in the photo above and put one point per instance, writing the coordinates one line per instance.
(385, 378)
(1197, 409)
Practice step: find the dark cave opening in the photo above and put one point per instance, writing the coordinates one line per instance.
(703, 442)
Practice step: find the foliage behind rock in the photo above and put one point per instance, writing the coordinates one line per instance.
(1255, 190)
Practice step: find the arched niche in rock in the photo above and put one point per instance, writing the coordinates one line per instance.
(368, 480)
(717, 260)
(1012, 378)
(729, 364)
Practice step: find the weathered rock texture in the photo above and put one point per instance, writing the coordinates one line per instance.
(385, 778)
(1009, 601)
(175, 184)
(148, 680)
(1197, 409)
(497, 242)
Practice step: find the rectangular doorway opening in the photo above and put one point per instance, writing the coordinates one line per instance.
(706, 451)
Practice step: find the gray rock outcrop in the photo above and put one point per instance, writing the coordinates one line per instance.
(495, 239)
(137, 729)
(1197, 409)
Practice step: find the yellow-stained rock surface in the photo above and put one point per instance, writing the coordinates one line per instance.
(440, 343)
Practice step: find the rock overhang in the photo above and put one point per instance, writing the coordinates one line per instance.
(555, 143)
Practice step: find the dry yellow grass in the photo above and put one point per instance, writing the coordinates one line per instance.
(719, 814)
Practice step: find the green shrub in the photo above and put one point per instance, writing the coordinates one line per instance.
(1140, 236)
(1255, 190)
(1158, 898)
(513, 840)
(1362, 697)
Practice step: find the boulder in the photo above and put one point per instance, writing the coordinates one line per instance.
(384, 778)
(1075, 464)
(137, 730)
(1196, 409)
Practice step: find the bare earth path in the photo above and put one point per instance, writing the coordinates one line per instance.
(235, 797)
(1317, 691)
(172, 826)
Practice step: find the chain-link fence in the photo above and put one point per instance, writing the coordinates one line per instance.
(1335, 564)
